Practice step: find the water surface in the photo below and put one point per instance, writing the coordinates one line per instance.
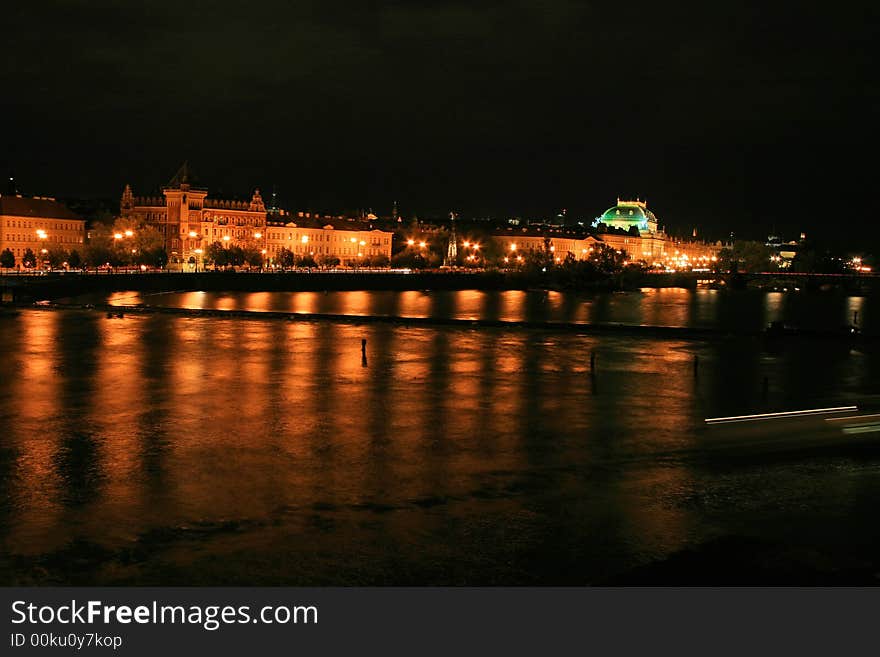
(163, 449)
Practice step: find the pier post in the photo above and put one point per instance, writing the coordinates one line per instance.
(696, 365)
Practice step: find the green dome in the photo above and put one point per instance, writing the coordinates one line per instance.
(627, 214)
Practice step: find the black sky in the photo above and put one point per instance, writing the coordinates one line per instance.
(731, 116)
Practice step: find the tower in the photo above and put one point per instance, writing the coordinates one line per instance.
(184, 209)
(452, 249)
(126, 204)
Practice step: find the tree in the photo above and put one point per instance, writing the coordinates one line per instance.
(7, 259)
(327, 261)
(253, 257)
(409, 259)
(56, 257)
(380, 261)
(745, 255)
(236, 256)
(285, 258)
(217, 254)
(100, 250)
(29, 259)
(607, 259)
(306, 261)
(74, 260)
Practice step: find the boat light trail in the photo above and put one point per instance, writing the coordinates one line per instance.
(775, 416)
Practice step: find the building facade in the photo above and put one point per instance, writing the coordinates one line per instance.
(628, 227)
(189, 220)
(354, 243)
(514, 243)
(40, 224)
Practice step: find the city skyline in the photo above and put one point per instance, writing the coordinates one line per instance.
(732, 121)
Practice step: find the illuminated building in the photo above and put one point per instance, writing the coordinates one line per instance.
(630, 214)
(514, 243)
(38, 223)
(628, 227)
(352, 242)
(190, 221)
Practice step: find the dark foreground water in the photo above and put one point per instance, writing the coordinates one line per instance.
(157, 449)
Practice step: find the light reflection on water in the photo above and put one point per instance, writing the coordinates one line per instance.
(218, 450)
(703, 308)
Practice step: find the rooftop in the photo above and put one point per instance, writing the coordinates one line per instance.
(37, 206)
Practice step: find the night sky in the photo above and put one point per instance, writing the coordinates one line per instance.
(726, 116)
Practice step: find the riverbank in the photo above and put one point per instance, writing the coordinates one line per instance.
(57, 285)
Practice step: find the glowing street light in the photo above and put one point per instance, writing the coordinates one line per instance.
(193, 233)
(410, 242)
(117, 236)
(129, 233)
(258, 235)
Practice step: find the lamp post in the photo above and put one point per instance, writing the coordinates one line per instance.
(42, 236)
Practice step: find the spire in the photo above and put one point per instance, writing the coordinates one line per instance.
(257, 204)
(127, 202)
(273, 205)
(182, 177)
(394, 214)
(452, 248)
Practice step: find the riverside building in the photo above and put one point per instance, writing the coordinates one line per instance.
(38, 223)
(189, 220)
(629, 227)
(354, 243)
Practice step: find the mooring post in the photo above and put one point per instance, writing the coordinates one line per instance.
(696, 364)
(592, 361)
(364, 346)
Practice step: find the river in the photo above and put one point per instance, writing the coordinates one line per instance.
(162, 449)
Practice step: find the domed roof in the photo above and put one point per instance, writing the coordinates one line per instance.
(629, 213)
